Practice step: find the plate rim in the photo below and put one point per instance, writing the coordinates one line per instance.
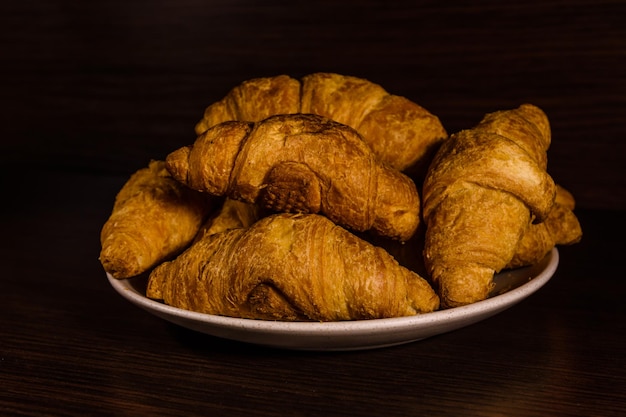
(477, 311)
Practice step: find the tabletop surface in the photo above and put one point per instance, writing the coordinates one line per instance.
(93, 90)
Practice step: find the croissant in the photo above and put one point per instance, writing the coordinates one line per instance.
(484, 187)
(232, 214)
(561, 227)
(252, 101)
(291, 267)
(301, 163)
(154, 217)
(400, 132)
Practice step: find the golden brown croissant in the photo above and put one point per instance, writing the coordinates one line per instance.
(154, 217)
(399, 131)
(252, 101)
(483, 188)
(233, 214)
(301, 163)
(291, 267)
(561, 227)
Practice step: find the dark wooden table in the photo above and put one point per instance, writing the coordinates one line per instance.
(92, 90)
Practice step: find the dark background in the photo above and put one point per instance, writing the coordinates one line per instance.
(90, 91)
(104, 86)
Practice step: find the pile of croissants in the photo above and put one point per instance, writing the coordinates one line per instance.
(290, 202)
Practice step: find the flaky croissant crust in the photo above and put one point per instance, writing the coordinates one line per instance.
(301, 163)
(561, 227)
(154, 217)
(483, 189)
(400, 132)
(291, 267)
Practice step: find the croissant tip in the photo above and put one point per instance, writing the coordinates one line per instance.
(177, 163)
(118, 264)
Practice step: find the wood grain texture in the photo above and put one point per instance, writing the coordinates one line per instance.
(72, 346)
(92, 90)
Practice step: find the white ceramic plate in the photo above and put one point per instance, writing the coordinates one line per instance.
(511, 288)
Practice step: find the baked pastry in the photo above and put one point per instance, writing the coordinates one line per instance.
(484, 187)
(252, 101)
(154, 217)
(561, 227)
(301, 163)
(233, 214)
(400, 132)
(292, 267)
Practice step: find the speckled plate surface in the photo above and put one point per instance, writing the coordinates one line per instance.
(511, 287)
